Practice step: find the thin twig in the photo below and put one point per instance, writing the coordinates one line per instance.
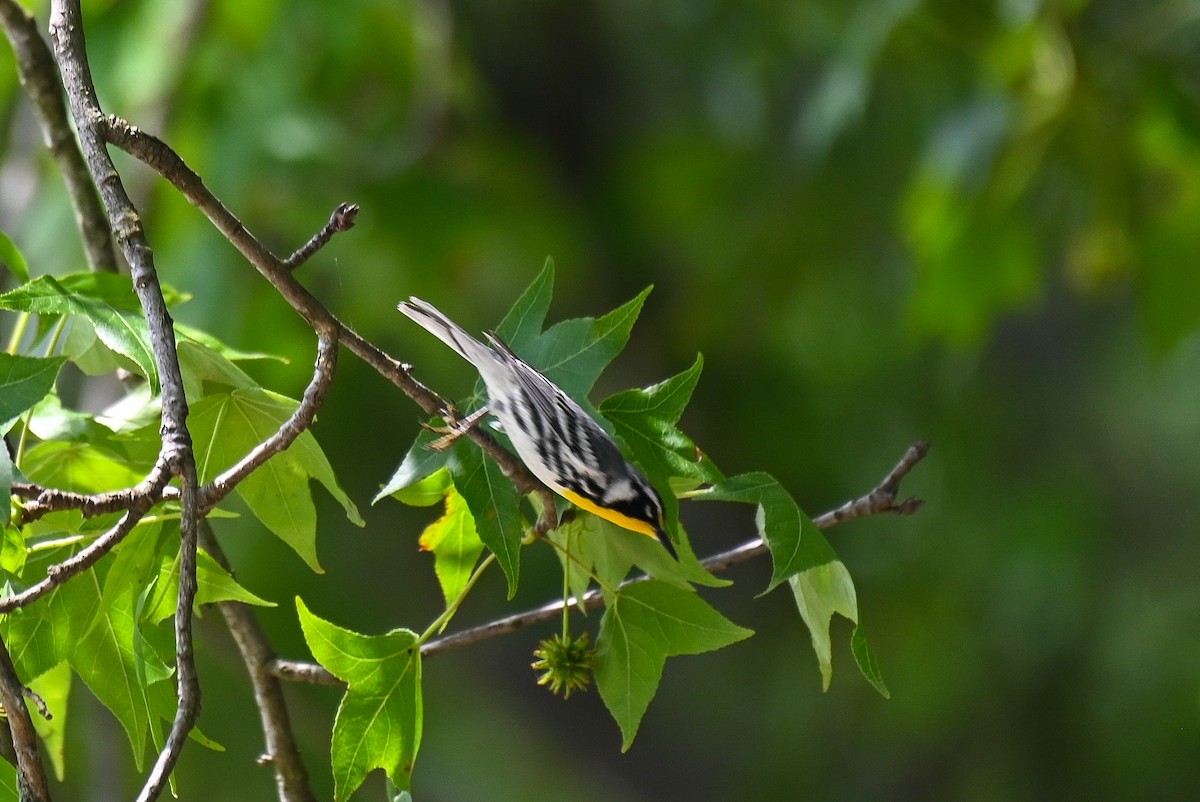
(881, 500)
(342, 219)
(39, 78)
(31, 779)
(282, 752)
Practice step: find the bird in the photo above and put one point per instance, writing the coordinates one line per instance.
(560, 443)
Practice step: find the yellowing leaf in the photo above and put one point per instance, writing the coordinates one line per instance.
(455, 545)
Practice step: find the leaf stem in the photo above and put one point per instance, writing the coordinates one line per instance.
(18, 332)
(442, 620)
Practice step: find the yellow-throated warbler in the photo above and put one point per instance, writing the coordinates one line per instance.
(556, 439)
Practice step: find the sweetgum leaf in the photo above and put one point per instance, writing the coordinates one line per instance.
(794, 540)
(455, 545)
(378, 722)
(226, 426)
(24, 381)
(104, 299)
(495, 507)
(643, 625)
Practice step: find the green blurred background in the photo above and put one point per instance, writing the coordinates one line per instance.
(977, 223)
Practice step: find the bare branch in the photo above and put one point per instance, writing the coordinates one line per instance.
(342, 219)
(291, 776)
(31, 779)
(187, 683)
(144, 497)
(66, 32)
(881, 500)
(39, 78)
(47, 499)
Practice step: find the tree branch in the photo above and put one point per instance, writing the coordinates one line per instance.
(66, 32)
(39, 78)
(31, 779)
(142, 498)
(881, 500)
(291, 776)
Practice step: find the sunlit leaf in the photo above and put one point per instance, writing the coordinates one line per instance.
(111, 661)
(455, 545)
(54, 688)
(81, 467)
(419, 464)
(379, 720)
(820, 592)
(93, 296)
(226, 426)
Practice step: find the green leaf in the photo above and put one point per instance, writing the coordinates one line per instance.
(614, 549)
(644, 419)
(795, 542)
(93, 296)
(455, 545)
(820, 592)
(11, 257)
(213, 584)
(644, 624)
(494, 505)
(8, 782)
(226, 426)
(111, 661)
(379, 720)
(81, 467)
(52, 421)
(24, 381)
(867, 664)
(573, 353)
(428, 491)
(418, 464)
(202, 366)
(12, 541)
(196, 336)
(54, 687)
(43, 634)
(523, 322)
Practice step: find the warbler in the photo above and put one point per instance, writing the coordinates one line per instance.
(560, 443)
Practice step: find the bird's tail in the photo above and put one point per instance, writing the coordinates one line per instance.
(429, 318)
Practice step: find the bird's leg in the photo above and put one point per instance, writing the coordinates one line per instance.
(455, 427)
